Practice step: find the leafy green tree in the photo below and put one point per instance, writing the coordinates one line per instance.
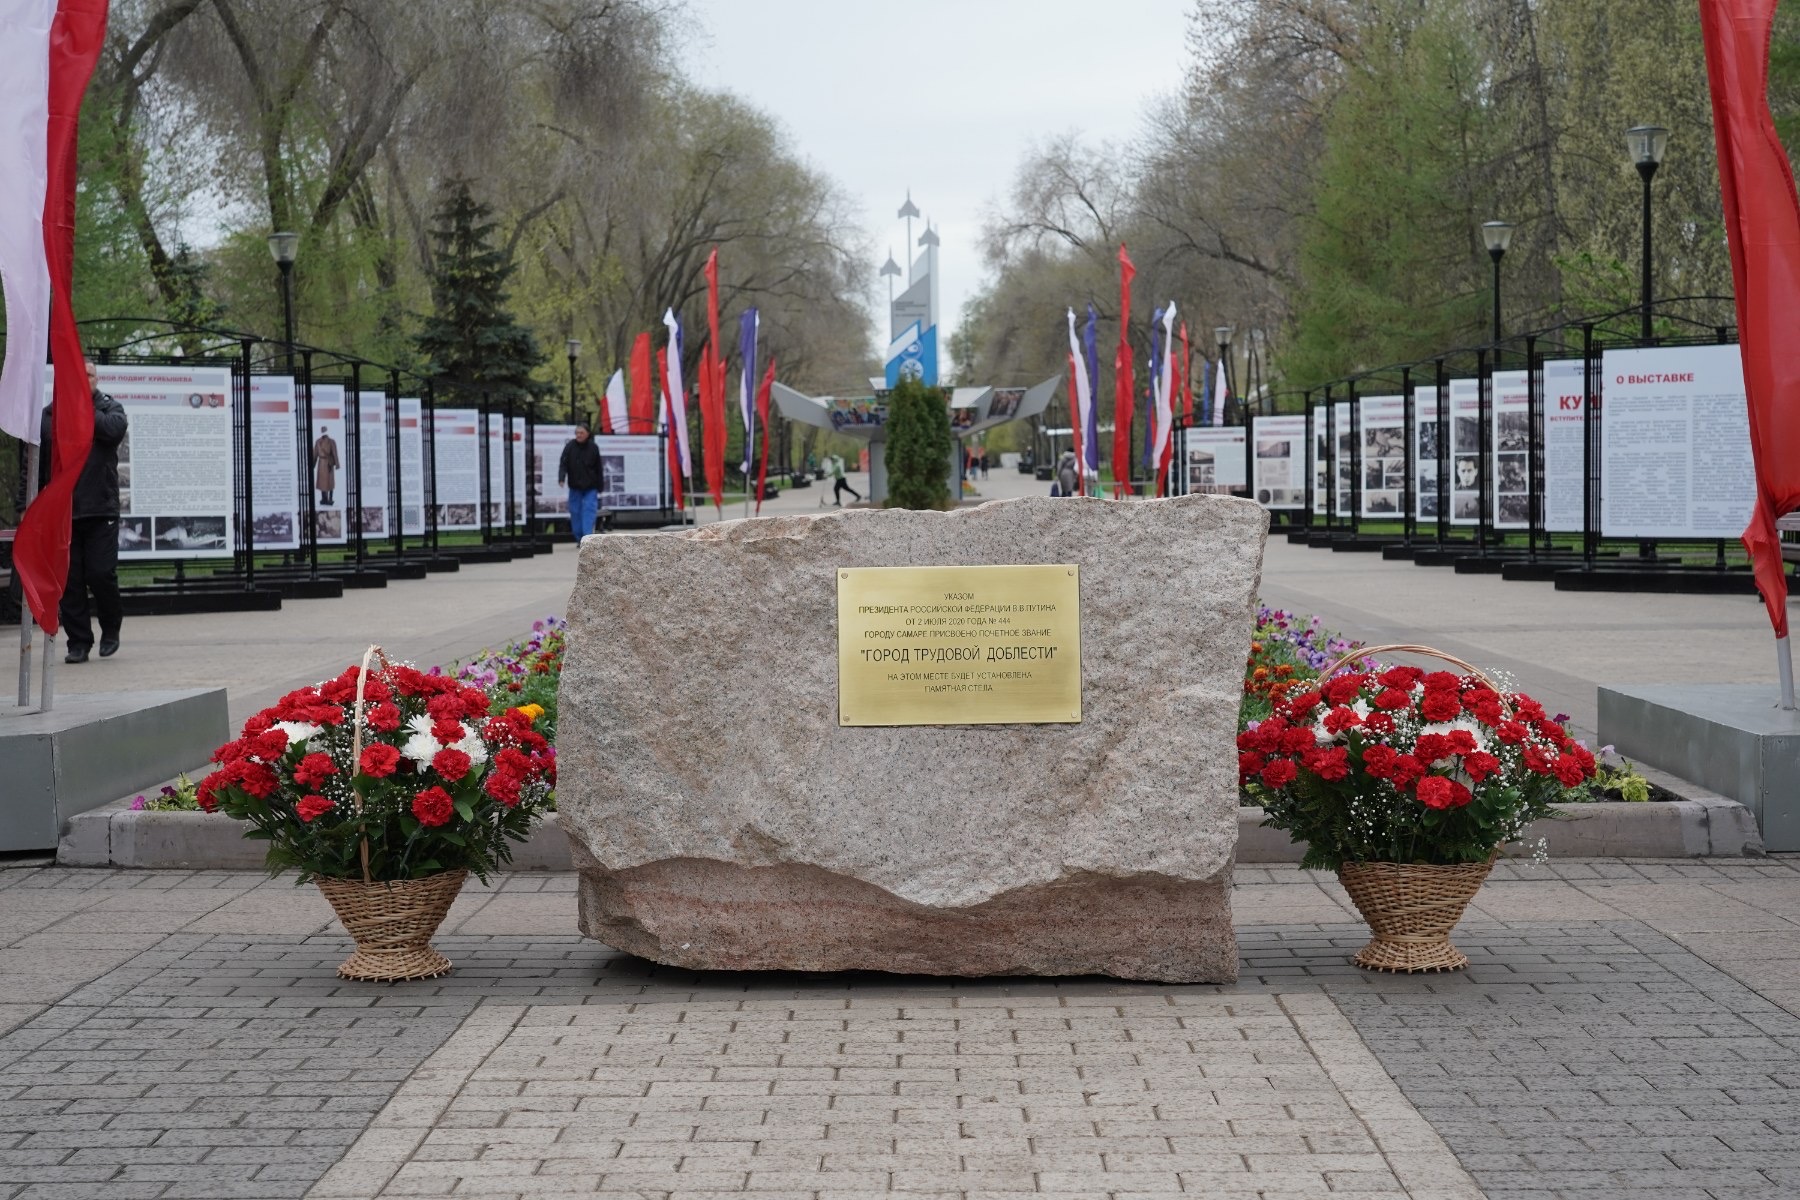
(472, 342)
(918, 447)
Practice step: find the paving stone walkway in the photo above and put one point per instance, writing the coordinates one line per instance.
(1625, 1030)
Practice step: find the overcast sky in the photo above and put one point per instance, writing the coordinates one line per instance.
(942, 96)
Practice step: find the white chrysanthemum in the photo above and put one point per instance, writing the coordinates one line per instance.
(421, 747)
(474, 747)
(297, 731)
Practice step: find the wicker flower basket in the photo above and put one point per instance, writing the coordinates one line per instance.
(392, 923)
(1411, 909)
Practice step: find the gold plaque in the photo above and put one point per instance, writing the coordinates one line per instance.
(959, 645)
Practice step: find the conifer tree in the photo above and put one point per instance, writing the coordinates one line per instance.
(471, 343)
(918, 447)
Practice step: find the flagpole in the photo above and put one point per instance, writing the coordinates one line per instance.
(1784, 665)
(26, 625)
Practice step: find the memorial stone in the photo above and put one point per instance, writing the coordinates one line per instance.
(725, 811)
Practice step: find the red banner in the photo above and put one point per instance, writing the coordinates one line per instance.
(41, 548)
(762, 423)
(643, 388)
(1762, 219)
(1124, 379)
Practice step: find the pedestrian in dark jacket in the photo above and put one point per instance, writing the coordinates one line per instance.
(579, 471)
(94, 533)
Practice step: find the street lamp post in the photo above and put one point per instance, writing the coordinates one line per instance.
(1498, 237)
(1646, 144)
(283, 246)
(574, 352)
(1222, 335)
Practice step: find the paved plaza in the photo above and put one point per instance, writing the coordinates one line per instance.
(1627, 1029)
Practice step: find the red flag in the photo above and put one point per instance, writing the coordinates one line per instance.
(1124, 381)
(41, 547)
(712, 390)
(643, 388)
(1187, 378)
(1075, 425)
(762, 423)
(669, 418)
(1762, 217)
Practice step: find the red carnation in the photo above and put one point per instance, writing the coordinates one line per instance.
(258, 724)
(1437, 792)
(1511, 732)
(444, 708)
(311, 807)
(1297, 740)
(1401, 678)
(1344, 688)
(1250, 764)
(314, 769)
(503, 786)
(379, 760)
(1407, 768)
(1392, 699)
(1379, 722)
(206, 795)
(1538, 760)
(512, 762)
(1570, 772)
(1340, 719)
(1379, 761)
(474, 703)
(1303, 704)
(433, 807)
(1440, 706)
(1330, 763)
(1480, 765)
(1442, 681)
(255, 778)
(384, 718)
(1433, 746)
(451, 763)
(270, 745)
(1279, 773)
(448, 731)
(1462, 741)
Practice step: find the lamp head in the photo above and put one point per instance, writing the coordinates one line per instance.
(1222, 334)
(1646, 144)
(574, 347)
(1497, 235)
(283, 246)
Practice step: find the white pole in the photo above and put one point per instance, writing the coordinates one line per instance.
(1784, 664)
(26, 626)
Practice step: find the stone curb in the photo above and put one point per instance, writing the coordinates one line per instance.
(1701, 826)
(117, 836)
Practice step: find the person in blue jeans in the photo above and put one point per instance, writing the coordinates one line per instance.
(579, 471)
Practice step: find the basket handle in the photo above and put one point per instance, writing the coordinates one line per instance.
(356, 728)
(1427, 651)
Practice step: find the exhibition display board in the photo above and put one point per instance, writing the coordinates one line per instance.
(1675, 444)
(274, 463)
(493, 440)
(631, 471)
(1383, 422)
(328, 467)
(372, 453)
(1280, 462)
(1465, 452)
(175, 464)
(1564, 427)
(1511, 440)
(1319, 457)
(1344, 442)
(1425, 453)
(412, 467)
(458, 452)
(1210, 461)
(547, 442)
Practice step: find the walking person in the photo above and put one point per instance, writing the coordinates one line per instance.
(1068, 478)
(94, 532)
(840, 485)
(579, 471)
(325, 467)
